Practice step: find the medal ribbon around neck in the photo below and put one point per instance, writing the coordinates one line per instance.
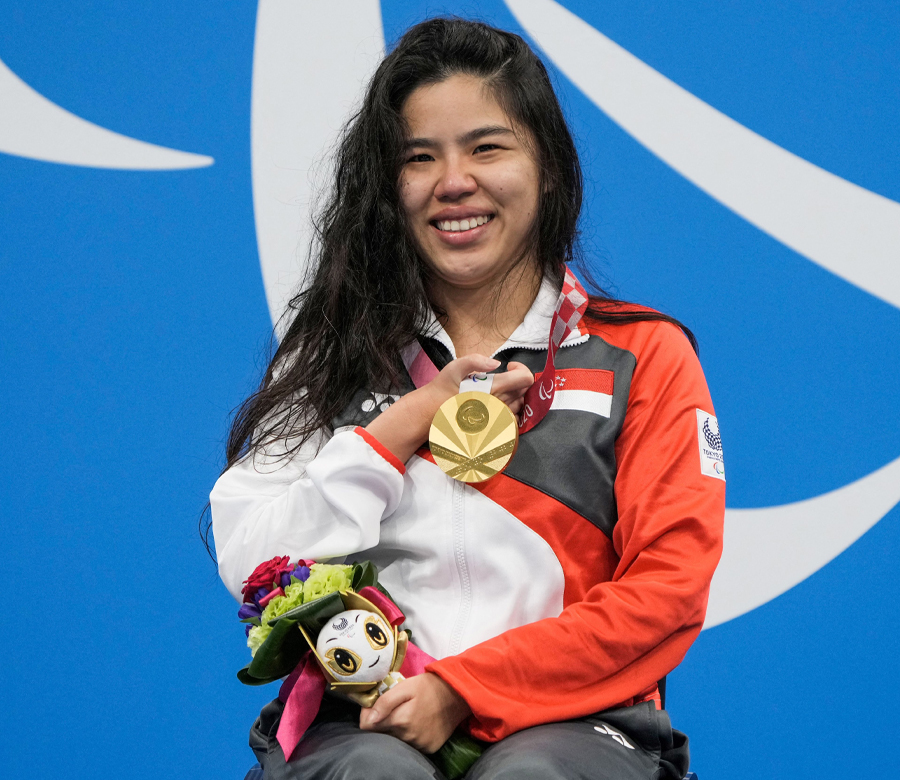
(570, 308)
(476, 435)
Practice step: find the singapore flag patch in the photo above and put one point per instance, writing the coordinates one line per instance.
(712, 462)
(579, 390)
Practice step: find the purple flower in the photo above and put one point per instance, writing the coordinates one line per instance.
(248, 611)
(260, 594)
(301, 573)
(247, 630)
(285, 579)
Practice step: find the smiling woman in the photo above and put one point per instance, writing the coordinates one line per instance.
(553, 595)
(469, 190)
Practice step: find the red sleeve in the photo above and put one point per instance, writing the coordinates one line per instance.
(629, 632)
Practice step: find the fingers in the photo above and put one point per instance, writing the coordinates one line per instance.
(459, 369)
(421, 710)
(380, 713)
(508, 386)
(397, 719)
(511, 385)
(515, 406)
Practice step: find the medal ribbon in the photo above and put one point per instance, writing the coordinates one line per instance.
(570, 307)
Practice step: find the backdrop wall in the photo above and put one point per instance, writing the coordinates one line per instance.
(156, 165)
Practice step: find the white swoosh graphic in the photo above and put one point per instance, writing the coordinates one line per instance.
(310, 62)
(769, 551)
(34, 127)
(851, 231)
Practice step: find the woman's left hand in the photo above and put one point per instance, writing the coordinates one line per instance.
(510, 386)
(421, 710)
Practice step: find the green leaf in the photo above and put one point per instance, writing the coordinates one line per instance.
(245, 677)
(457, 755)
(279, 654)
(365, 575)
(285, 646)
(313, 614)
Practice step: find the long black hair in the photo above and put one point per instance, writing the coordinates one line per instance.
(365, 295)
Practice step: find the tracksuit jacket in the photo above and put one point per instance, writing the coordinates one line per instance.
(566, 585)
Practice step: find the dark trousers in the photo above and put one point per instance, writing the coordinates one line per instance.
(629, 743)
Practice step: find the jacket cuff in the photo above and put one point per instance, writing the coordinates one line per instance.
(381, 449)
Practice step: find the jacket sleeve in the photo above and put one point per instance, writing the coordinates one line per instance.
(325, 501)
(610, 648)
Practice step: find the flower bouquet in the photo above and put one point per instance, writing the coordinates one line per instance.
(331, 628)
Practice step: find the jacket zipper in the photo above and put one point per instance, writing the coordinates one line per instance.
(458, 520)
(580, 340)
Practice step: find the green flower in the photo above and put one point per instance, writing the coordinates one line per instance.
(325, 578)
(257, 635)
(293, 597)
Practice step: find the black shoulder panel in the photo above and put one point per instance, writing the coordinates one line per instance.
(367, 405)
(570, 455)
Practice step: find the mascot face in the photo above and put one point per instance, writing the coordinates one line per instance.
(357, 645)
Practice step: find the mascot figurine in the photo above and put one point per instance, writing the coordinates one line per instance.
(359, 651)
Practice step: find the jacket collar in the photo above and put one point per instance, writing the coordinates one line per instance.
(532, 333)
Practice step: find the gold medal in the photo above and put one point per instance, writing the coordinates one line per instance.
(473, 436)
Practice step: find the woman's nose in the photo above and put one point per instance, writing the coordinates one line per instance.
(456, 181)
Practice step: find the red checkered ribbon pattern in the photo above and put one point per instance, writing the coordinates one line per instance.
(570, 308)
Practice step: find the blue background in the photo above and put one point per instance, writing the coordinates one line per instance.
(133, 320)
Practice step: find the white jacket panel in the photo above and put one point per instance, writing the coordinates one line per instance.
(462, 568)
(321, 506)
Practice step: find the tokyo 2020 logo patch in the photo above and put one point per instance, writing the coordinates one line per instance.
(712, 461)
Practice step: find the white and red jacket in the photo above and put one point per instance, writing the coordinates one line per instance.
(568, 584)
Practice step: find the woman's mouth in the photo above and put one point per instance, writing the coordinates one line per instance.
(462, 225)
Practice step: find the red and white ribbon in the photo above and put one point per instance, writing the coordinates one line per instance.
(570, 308)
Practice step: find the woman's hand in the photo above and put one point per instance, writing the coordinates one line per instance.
(421, 710)
(511, 386)
(446, 384)
(404, 426)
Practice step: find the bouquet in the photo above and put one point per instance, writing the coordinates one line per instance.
(278, 586)
(286, 607)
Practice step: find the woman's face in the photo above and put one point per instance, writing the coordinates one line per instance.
(469, 184)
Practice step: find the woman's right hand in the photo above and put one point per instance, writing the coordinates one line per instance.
(403, 427)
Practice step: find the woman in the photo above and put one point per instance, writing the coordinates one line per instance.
(556, 594)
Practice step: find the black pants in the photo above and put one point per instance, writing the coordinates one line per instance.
(629, 743)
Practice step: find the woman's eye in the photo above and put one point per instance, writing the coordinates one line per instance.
(420, 158)
(343, 661)
(374, 633)
(486, 148)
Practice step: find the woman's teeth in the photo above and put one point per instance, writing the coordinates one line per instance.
(454, 226)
